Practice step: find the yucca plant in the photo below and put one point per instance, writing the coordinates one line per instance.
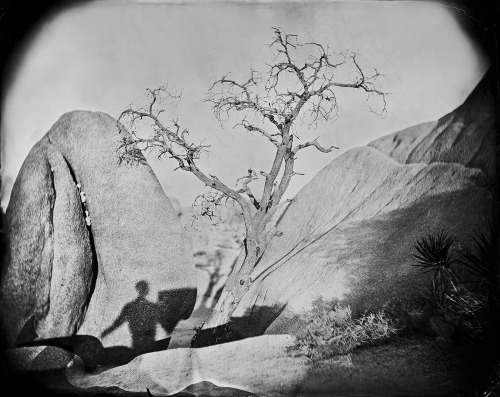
(436, 255)
(481, 263)
(436, 297)
(448, 296)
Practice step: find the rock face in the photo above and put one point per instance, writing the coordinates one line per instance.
(356, 243)
(48, 274)
(464, 136)
(129, 274)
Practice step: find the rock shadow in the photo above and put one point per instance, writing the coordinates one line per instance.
(253, 323)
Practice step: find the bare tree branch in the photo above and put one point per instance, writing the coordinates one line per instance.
(252, 176)
(250, 127)
(315, 144)
(206, 204)
(167, 140)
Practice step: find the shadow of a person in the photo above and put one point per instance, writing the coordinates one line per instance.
(142, 317)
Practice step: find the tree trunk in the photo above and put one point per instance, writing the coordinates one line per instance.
(216, 328)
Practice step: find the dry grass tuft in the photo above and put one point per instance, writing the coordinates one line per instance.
(331, 330)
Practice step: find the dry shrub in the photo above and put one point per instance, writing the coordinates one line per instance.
(331, 330)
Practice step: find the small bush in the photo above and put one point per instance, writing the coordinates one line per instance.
(330, 330)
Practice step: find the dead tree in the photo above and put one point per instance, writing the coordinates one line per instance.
(298, 90)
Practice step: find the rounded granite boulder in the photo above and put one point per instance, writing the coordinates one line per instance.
(94, 246)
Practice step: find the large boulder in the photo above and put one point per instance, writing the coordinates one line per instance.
(127, 278)
(356, 243)
(464, 136)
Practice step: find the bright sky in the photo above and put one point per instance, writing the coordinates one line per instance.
(101, 56)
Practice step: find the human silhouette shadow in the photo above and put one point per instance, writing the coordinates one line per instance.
(142, 317)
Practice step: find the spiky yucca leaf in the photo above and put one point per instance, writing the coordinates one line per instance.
(481, 263)
(434, 251)
(435, 255)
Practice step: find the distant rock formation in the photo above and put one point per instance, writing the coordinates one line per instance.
(63, 276)
(356, 243)
(217, 243)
